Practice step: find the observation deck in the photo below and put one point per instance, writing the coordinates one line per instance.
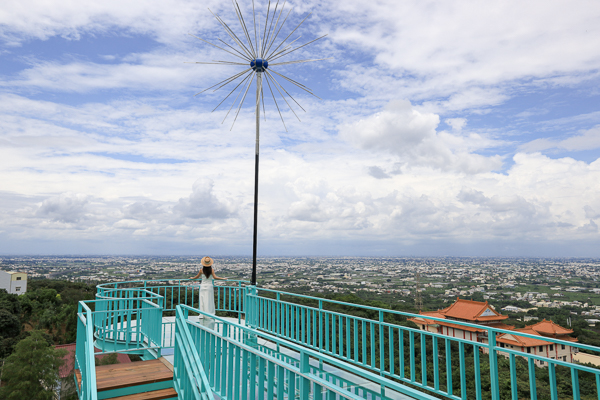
(267, 344)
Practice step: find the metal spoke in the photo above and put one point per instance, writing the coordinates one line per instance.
(270, 31)
(286, 102)
(228, 82)
(213, 63)
(255, 36)
(242, 102)
(301, 86)
(305, 44)
(286, 48)
(234, 77)
(299, 61)
(288, 36)
(292, 81)
(232, 34)
(205, 41)
(262, 46)
(236, 50)
(276, 105)
(235, 38)
(243, 24)
(229, 62)
(236, 97)
(238, 85)
(282, 88)
(281, 26)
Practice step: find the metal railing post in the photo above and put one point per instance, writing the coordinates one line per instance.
(495, 385)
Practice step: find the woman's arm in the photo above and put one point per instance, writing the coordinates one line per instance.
(197, 276)
(216, 277)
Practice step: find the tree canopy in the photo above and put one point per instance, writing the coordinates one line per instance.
(32, 371)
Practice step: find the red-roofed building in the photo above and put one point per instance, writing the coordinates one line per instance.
(540, 346)
(474, 312)
(481, 313)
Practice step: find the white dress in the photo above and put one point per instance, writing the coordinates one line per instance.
(207, 295)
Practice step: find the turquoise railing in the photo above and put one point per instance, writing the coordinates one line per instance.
(301, 334)
(128, 320)
(424, 360)
(120, 320)
(189, 378)
(229, 297)
(238, 368)
(84, 355)
(185, 291)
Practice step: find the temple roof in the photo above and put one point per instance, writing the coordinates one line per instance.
(549, 328)
(471, 310)
(522, 341)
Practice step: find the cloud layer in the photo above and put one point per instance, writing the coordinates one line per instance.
(459, 128)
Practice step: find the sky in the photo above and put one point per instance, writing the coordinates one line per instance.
(441, 128)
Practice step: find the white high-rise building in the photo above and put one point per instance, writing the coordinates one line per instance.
(13, 282)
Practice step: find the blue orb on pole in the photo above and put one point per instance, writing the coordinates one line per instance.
(259, 65)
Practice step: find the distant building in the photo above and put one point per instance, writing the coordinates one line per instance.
(13, 282)
(475, 312)
(540, 346)
(481, 313)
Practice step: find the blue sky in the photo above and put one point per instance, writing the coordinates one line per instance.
(444, 128)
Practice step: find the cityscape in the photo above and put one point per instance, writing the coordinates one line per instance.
(520, 285)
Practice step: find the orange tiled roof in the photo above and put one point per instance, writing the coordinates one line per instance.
(437, 314)
(419, 320)
(549, 328)
(522, 341)
(471, 310)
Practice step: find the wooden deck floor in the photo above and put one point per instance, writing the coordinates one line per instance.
(154, 395)
(117, 376)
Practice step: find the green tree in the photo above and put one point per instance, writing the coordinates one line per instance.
(31, 372)
(10, 326)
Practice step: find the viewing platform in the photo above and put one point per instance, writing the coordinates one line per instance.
(269, 344)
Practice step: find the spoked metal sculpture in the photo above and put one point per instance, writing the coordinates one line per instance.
(260, 56)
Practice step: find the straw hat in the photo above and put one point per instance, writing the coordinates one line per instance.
(206, 262)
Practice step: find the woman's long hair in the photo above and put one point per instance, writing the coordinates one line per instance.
(207, 271)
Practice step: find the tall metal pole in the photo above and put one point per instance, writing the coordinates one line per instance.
(255, 237)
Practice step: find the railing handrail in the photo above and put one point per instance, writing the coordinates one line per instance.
(187, 349)
(412, 315)
(107, 285)
(365, 374)
(137, 290)
(88, 377)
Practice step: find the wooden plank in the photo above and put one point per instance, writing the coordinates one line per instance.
(167, 364)
(154, 395)
(117, 376)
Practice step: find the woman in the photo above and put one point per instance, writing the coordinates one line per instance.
(207, 292)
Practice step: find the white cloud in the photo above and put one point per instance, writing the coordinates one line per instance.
(468, 54)
(411, 135)
(67, 207)
(106, 152)
(164, 20)
(203, 204)
(587, 140)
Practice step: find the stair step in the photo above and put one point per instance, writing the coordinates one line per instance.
(118, 376)
(153, 395)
